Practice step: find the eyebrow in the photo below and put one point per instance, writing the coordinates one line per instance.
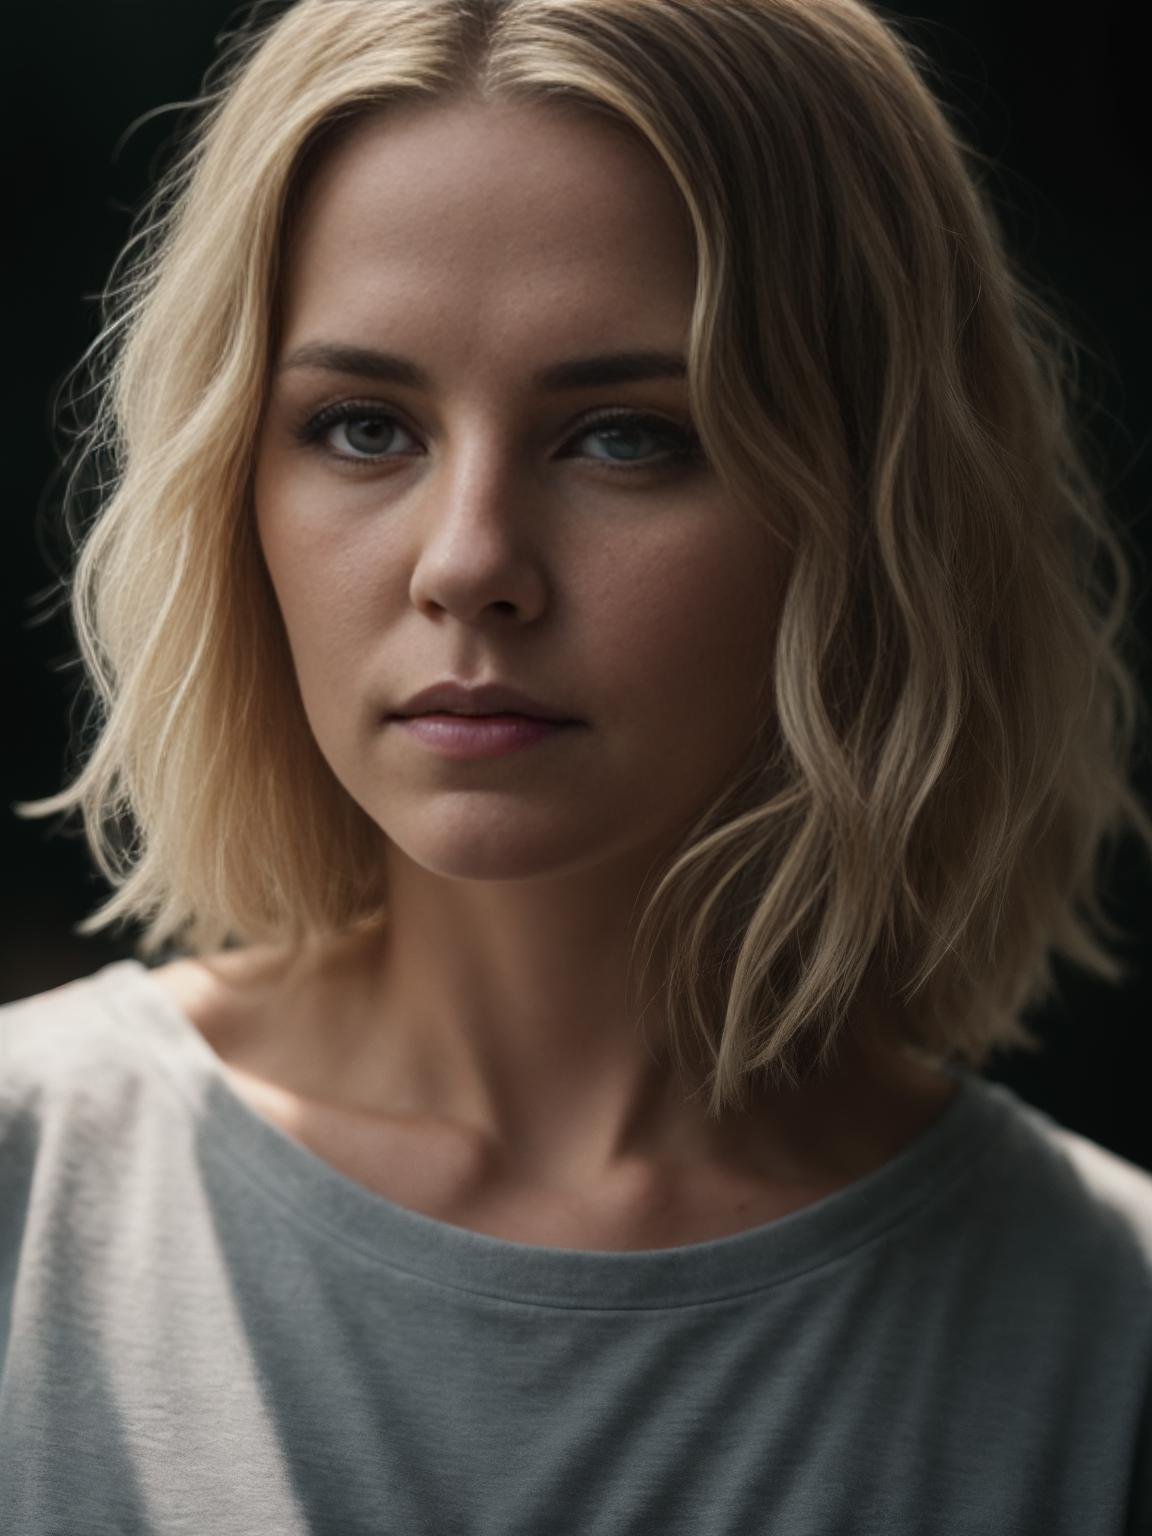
(573, 373)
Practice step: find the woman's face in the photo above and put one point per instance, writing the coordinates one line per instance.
(485, 526)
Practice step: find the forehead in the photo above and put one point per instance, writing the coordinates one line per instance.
(488, 224)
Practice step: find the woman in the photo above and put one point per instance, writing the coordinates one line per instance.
(646, 381)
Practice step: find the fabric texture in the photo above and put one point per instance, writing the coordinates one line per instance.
(207, 1330)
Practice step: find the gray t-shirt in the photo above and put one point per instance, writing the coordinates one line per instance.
(206, 1330)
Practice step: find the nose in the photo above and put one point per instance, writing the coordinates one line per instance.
(477, 546)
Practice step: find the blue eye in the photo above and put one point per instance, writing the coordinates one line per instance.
(679, 444)
(376, 430)
(373, 428)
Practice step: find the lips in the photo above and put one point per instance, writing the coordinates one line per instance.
(479, 700)
(482, 736)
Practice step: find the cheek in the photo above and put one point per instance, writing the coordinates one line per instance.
(324, 593)
(705, 631)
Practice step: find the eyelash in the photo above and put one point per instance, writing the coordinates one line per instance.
(312, 430)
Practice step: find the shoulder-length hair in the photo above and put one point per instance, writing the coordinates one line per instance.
(952, 717)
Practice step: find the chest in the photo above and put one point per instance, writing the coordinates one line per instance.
(436, 1174)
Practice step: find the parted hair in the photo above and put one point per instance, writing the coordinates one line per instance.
(952, 712)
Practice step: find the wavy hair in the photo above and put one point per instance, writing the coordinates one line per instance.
(954, 706)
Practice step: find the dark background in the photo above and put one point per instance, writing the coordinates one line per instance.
(1051, 95)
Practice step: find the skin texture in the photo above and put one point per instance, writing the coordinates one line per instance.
(491, 538)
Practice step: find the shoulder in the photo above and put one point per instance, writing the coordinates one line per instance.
(79, 1063)
(98, 1024)
(1119, 1191)
(1075, 1201)
(70, 1061)
(75, 1012)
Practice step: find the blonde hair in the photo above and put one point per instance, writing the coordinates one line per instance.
(952, 716)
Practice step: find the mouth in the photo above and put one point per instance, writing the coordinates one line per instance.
(480, 736)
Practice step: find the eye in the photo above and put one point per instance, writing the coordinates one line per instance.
(623, 426)
(368, 431)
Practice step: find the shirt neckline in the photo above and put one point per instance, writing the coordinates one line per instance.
(312, 1192)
